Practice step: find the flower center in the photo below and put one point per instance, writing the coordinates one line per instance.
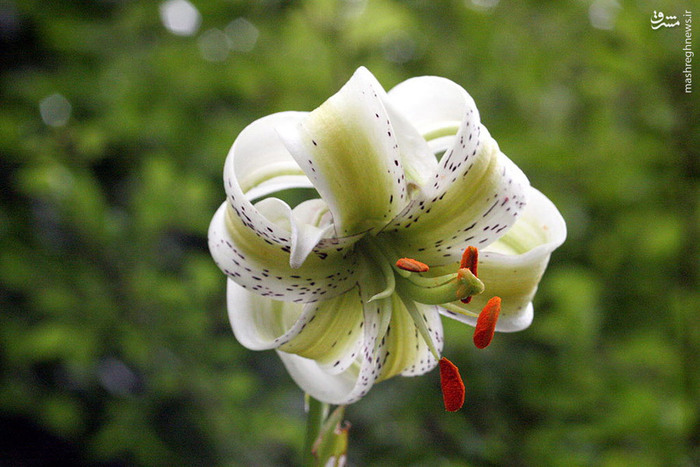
(405, 277)
(447, 288)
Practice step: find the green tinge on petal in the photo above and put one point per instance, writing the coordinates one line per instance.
(334, 334)
(474, 199)
(354, 382)
(401, 341)
(512, 267)
(431, 103)
(268, 172)
(256, 255)
(348, 149)
(408, 352)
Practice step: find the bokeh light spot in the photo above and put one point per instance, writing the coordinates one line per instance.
(180, 17)
(603, 13)
(242, 35)
(213, 45)
(55, 110)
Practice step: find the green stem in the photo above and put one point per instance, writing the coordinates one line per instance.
(317, 412)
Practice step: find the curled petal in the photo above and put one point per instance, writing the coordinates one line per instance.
(258, 156)
(473, 199)
(512, 267)
(333, 335)
(260, 263)
(434, 106)
(348, 149)
(292, 259)
(356, 380)
(260, 323)
(475, 193)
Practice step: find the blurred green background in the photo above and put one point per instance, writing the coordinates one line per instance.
(115, 119)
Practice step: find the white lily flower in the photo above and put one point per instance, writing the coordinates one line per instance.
(410, 173)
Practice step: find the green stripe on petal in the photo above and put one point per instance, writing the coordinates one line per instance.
(350, 385)
(407, 352)
(333, 335)
(348, 149)
(512, 267)
(473, 199)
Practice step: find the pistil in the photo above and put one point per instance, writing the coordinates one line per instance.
(442, 289)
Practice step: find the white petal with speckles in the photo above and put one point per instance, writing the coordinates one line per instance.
(356, 380)
(407, 352)
(433, 105)
(348, 149)
(512, 267)
(474, 198)
(258, 259)
(260, 323)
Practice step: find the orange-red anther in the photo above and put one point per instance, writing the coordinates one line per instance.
(408, 264)
(486, 323)
(452, 386)
(470, 260)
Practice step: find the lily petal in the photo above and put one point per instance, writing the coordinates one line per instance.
(433, 105)
(255, 253)
(260, 323)
(266, 255)
(475, 193)
(474, 199)
(512, 267)
(350, 385)
(333, 335)
(278, 183)
(258, 155)
(407, 352)
(317, 382)
(348, 149)
(259, 162)
(416, 156)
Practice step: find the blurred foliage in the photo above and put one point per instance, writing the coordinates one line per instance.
(114, 343)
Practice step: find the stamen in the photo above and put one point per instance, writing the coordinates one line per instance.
(411, 265)
(452, 386)
(486, 323)
(470, 260)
